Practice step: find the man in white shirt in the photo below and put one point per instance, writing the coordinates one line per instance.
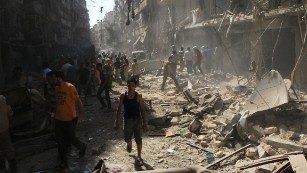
(188, 57)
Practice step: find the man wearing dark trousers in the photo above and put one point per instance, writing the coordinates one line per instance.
(105, 84)
(66, 119)
(168, 71)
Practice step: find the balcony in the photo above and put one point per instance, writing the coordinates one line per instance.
(141, 6)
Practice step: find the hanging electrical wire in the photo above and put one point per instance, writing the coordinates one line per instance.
(130, 4)
(276, 44)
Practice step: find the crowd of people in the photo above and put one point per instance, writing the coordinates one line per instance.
(64, 86)
(195, 60)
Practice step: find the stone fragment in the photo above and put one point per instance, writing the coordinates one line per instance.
(258, 131)
(175, 121)
(219, 143)
(173, 113)
(251, 152)
(270, 130)
(211, 126)
(219, 154)
(268, 168)
(282, 151)
(268, 149)
(160, 160)
(261, 151)
(252, 138)
(203, 144)
(188, 135)
(201, 138)
(283, 131)
(293, 135)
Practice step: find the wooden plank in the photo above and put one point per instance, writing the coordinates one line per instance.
(227, 156)
(298, 163)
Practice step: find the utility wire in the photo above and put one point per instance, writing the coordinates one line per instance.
(276, 44)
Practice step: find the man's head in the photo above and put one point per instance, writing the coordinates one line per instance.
(131, 83)
(54, 78)
(170, 58)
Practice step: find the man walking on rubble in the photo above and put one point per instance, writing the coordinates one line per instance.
(66, 119)
(188, 57)
(133, 116)
(105, 84)
(6, 145)
(136, 72)
(198, 58)
(168, 71)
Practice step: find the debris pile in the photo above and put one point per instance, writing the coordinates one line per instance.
(215, 115)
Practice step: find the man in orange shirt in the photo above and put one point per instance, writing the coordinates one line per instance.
(66, 118)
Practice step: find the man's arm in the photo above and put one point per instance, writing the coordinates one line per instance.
(80, 109)
(142, 107)
(118, 111)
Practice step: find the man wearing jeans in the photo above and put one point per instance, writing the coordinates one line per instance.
(134, 117)
(65, 119)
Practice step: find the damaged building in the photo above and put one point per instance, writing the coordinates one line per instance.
(271, 33)
(37, 31)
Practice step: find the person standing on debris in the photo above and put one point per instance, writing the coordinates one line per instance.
(180, 58)
(65, 118)
(117, 65)
(174, 61)
(198, 58)
(6, 145)
(133, 116)
(105, 84)
(188, 57)
(45, 70)
(125, 66)
(71, 74)
(207, 54)
(136, 72)
(168, 71)
(218, 56)
(83, 81)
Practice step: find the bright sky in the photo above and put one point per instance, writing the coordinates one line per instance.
(93, 7)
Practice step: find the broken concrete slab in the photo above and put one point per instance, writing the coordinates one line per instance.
(269, 93)
(281, 143)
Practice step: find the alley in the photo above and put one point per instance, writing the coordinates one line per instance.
(203, 86)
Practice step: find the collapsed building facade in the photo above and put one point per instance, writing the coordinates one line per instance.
(36, 31)
(271, 33)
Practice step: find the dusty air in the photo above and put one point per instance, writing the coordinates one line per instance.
(159, 86)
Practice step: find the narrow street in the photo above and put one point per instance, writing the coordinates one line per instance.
(223, 85)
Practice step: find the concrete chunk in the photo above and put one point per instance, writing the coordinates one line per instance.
(251, 152)
(281, 143)
(270, 130)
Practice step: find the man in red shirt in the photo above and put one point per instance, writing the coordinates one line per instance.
(198, 56)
